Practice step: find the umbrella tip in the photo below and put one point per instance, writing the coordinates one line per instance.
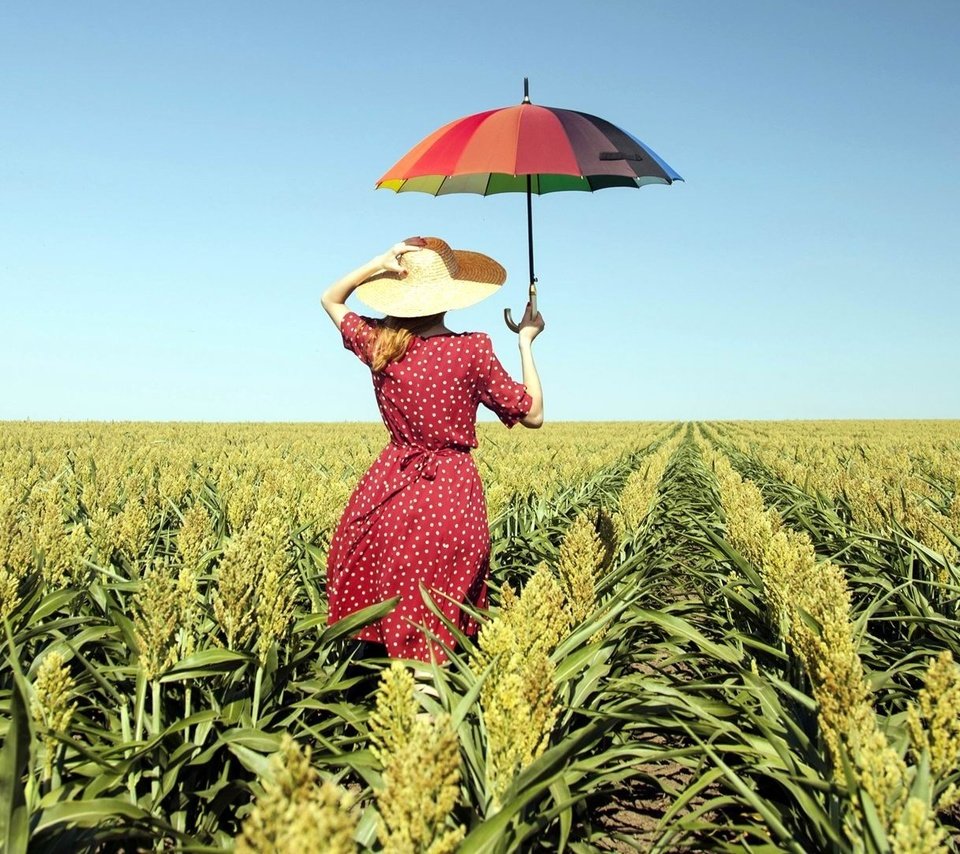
(526, 91)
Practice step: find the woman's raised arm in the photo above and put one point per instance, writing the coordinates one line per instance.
(335, 297)
(530, 328)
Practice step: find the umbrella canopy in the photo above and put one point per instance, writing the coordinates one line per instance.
(494, 151)
(526, 148)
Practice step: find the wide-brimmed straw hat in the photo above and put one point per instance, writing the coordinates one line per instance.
(438, 279)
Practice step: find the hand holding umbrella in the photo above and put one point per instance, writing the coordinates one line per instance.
(531, 324)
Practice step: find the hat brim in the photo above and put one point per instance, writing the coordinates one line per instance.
(478, 277)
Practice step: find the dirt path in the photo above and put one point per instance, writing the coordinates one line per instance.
(631, 818)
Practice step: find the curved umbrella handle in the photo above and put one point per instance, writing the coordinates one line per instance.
(508, 315)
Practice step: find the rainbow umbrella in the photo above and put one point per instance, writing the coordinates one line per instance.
(526, 148)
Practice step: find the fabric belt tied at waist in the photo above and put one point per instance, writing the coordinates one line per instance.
(424, 460)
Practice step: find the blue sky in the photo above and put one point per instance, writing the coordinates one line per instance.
(180, 181)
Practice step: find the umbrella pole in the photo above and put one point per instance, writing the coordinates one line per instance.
(533, 278)
(507, 315)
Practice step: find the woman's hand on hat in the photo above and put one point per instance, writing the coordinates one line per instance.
(530, 327)
(390, 260)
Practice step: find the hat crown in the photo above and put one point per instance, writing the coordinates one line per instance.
(433, 262)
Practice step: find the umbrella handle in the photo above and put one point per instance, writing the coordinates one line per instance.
(508, 315)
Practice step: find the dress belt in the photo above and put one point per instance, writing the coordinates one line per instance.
(424, 460)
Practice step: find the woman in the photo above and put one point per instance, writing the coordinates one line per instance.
(418, 515)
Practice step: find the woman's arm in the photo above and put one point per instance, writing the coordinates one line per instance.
(530, 328)
(335, 297)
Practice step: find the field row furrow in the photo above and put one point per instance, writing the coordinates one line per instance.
(877, 793)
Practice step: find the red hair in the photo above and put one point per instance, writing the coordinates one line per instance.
(394, 335)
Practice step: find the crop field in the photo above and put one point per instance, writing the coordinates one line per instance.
(720, 636)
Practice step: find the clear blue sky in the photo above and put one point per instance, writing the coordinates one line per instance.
(179, 181)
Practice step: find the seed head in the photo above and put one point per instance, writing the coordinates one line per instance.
(916, 832)
(519, 715)
(157, 618)
(297, 812)
(195, 537)
(421, 770)
(934, 720)
(578, 565)
(51, 707)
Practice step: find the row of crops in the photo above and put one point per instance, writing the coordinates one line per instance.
(730, 636)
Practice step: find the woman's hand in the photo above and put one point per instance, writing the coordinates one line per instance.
(530, 327)
(390, 260)
(335, 297)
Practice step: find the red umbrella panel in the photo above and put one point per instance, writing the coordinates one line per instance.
(527, 148)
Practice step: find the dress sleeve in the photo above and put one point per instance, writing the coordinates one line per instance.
(358, 334)
(499, 392)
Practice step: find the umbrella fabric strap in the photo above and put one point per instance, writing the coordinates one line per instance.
(424, 460)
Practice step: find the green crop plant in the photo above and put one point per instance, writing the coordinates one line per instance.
(752, 635)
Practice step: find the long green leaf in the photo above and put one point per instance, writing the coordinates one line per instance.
(14, 757)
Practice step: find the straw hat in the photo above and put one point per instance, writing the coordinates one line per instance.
(438, 279)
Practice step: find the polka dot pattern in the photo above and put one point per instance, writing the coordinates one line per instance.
(418, 514)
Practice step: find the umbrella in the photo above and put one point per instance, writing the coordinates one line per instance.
(526, 148)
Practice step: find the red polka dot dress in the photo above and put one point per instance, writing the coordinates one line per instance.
(418, 515)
